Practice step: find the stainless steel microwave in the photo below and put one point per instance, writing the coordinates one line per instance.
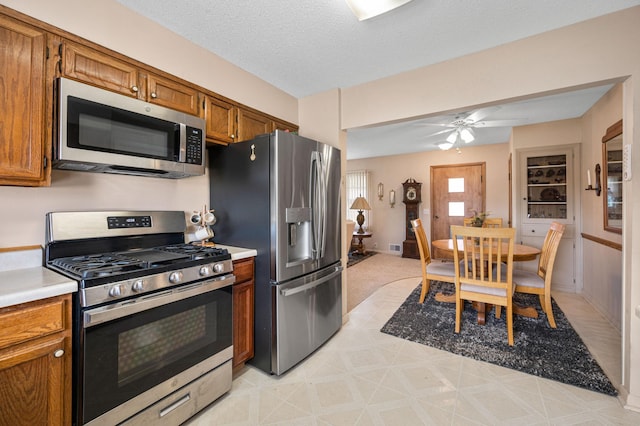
(105, 132)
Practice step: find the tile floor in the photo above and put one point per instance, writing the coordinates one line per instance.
(364, 377)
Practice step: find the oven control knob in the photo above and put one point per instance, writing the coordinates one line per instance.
(175, 277)
(115, 291)
(205, 271)
(138, 286)
(218, 267)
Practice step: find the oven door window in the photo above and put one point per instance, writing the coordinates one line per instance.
(128, 356)
(98, 127)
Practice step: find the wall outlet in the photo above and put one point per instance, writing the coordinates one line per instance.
(375, 245)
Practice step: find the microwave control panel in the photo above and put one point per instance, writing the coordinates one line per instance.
(194, 146)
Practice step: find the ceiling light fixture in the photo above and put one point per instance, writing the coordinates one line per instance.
(445, 145)
(464, 134)
(365, 9)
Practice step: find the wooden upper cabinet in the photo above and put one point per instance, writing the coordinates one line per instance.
(22, 104)
(171, 94)
(281, 125)
(251, 124)
(92, 67)
(101, 70)
(221, 120)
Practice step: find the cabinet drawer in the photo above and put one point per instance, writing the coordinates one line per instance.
(535, 230)
(243, 269)
(29, 321)
(540, 230)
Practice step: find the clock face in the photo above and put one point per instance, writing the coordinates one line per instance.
(411, 193)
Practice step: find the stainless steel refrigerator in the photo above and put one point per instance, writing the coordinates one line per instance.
(280, 194)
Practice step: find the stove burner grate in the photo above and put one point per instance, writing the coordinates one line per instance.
(98, 265)
(106, 264)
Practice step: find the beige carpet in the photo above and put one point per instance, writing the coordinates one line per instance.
(366, 277)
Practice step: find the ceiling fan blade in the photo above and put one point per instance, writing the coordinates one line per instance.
(500, 123)
(436, 124)
(440, 132)
(481, 113)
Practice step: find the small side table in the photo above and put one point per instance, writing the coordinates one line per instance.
(359, 247)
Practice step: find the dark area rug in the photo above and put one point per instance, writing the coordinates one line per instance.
(558, 354)
(355, 258)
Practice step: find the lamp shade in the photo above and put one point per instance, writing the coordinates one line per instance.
(360, 204)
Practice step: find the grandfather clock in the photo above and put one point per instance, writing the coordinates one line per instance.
(411, 197)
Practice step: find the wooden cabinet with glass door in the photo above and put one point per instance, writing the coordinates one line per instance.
(547, 187)
(612, 177)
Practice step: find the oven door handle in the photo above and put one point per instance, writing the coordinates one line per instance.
(128, 307)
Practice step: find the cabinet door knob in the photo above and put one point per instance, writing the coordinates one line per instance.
(437, 217)
(533, 231)
(134, 89)
(58, 353)
(154, 95)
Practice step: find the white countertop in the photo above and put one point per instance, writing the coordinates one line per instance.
(238, 253)
(24, 279)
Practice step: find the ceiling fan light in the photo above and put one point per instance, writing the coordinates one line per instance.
(452, 137)
(467, 135)
(365, 9)
(445, 145)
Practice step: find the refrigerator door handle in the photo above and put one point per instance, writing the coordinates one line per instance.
(295, 290)
(317, 193)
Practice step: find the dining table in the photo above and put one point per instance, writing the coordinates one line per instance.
(521, 253)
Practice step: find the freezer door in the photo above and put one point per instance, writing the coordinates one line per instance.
(305, 205)
(308, 313)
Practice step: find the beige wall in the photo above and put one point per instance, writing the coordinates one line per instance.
(595, 51)
(602, 265)
(387, 224)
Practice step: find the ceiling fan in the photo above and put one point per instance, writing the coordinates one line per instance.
(461, 128)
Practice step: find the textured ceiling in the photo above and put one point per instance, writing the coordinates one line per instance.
(305, 47)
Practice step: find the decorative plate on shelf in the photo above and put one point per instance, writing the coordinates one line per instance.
(549, 194)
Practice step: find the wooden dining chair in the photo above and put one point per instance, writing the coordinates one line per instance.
(431, 269)
(480, 281)
(539, 281)
(489, 222)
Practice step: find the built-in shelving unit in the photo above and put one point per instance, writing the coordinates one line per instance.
(547, 187)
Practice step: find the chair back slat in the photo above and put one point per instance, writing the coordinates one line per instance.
(483, 250)
(550, 249)
(421, 238)
(489, 222)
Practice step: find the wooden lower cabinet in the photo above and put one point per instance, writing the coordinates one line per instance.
(35, 363)
(243, 300)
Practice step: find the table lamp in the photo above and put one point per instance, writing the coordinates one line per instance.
(360, 204)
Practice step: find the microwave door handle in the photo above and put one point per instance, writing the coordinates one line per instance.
(182, 155)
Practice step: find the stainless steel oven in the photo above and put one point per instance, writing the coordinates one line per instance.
(152, 317)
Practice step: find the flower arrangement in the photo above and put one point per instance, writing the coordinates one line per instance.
(478, 218)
